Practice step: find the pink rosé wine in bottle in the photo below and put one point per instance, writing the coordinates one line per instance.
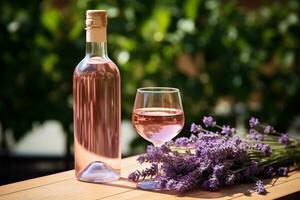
(97, 107)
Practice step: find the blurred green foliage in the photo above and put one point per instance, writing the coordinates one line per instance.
(228, 58)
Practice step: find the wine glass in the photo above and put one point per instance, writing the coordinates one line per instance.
(158, 117)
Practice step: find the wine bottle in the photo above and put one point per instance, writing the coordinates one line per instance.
(97, 107)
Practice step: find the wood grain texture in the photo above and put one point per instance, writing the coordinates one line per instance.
(65, 186)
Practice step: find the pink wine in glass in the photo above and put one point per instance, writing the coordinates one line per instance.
(97, 108)
(158, 125)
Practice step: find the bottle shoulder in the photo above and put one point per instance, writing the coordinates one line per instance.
(96, 64)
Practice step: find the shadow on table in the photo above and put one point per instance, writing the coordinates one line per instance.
(232, 191)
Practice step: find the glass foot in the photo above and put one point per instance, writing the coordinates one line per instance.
(150, 185)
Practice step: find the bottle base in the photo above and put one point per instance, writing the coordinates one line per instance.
(98, 172)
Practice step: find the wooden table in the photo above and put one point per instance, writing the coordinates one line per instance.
(65, 186)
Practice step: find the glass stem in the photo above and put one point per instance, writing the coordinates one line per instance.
(158, 166)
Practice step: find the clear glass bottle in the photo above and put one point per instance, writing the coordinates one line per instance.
(97, 107)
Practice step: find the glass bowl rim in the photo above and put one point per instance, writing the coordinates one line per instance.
(158, 90)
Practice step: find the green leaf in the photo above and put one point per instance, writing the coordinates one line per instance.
(157, 26)
(191, 8)
(51, 19)
(48, 63)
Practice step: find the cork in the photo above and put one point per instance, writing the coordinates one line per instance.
(96, 18)
(96, 21)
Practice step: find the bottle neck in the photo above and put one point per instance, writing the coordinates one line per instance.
(96, 41)
(98, 49)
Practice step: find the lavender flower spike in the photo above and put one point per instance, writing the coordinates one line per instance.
(264, 148)
(230, 179)
(208, 121)
(213, 184)
(282, 171)
(268, 129)
(195, 128)
(254, 135)
(227, 130)
(284, 139)
(269, 172)
(182, 141)
(134, 176)
(253, 122)
(260, 188)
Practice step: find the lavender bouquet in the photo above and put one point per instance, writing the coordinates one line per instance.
(212, 159)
